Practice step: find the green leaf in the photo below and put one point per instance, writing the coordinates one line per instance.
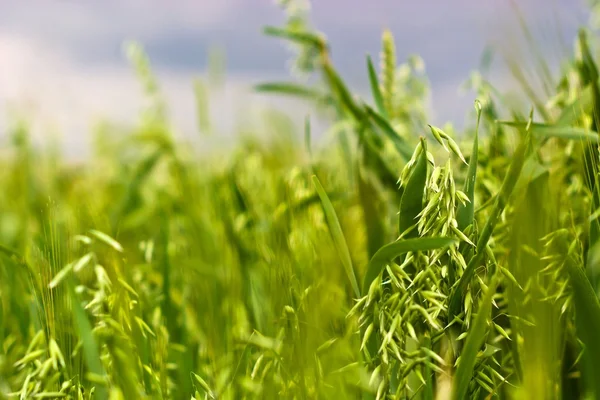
(475, 339)
(141, 174)
(292, 89)
(337, 235)
(392, 250)
(90, 347)
(561, 132)
(411, 203)
(302, 204)
(427, 370)
(371, 200)
(587, 318)
(343, 93)
(376, 88)
(501, 199)
(399, 143)
(465, 213)
(532, 170)
(374, 160)
(588, 60)
(300, 37)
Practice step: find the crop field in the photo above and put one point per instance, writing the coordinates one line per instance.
(391, 259)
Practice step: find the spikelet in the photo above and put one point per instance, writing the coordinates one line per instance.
(388, 71)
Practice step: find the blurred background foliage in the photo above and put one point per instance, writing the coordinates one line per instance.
(389, 259)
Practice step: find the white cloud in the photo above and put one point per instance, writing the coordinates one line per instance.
(76, 21)
(55, 93)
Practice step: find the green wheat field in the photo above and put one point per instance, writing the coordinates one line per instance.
(393, 259)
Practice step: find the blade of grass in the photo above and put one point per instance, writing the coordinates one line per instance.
(292, 89)
(370, 200)
(589, 74)
(301, 37)
(90, 347)
(428, 393)
(399, 143)
(465, 213)
(412, 198)
(474, 341)
(561, 132)
(342, 92)
(140, 176)
(374, 160)
(508, 185)
(587, 318)
(338, 237)
(303, 204)
(376, 88)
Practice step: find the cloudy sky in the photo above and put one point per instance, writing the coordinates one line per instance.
(62, 60)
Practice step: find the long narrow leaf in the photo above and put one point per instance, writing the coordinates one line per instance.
(561, 132)
(475, 339)
(301, 37)
(375, 88)
(343, 93)
(508, 185)
(291, 89)
(399, 143)
(587, 318)
(465, 213)
(412, 198)
(90, 347)
(370, 199)
(337, 235)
